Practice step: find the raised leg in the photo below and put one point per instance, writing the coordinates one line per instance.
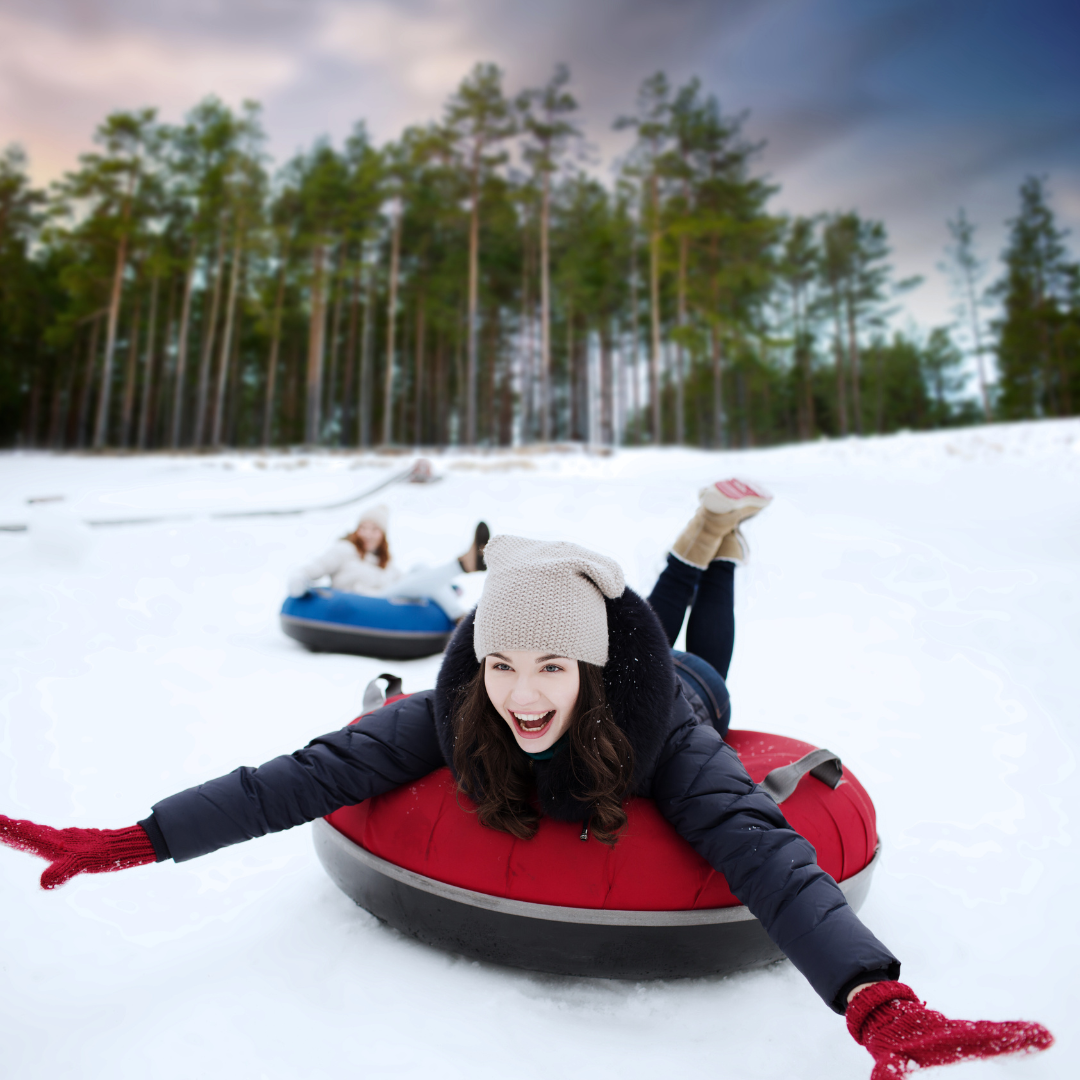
(673, 593)
(434, 582)
(710, 633)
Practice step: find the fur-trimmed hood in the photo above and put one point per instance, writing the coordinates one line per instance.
(641, 688)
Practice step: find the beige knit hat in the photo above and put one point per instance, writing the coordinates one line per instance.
(546, 595)
(377, 515)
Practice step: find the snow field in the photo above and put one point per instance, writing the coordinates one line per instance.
(911, 603)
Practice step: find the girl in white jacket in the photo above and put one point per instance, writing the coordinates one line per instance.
(360, 563)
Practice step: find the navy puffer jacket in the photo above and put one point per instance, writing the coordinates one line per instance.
(681, 762)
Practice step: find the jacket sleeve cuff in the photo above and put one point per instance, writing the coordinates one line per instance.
(157, 838)
(889, 974)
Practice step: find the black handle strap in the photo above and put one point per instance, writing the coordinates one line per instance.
(822, 764)
(375, 697)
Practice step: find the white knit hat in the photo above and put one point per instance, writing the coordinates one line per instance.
(546, 595)
(377, 515)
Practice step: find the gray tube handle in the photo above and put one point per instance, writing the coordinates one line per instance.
(823, 764)
(374, 697)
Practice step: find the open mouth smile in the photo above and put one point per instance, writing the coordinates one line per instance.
(533, 725)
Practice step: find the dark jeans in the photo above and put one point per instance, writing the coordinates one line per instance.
(710, 633)
(710, 595)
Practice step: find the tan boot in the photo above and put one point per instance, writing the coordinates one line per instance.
(733, 548)
(698, 542)
(724, 505)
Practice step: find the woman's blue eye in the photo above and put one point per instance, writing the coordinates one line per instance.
(552, 667)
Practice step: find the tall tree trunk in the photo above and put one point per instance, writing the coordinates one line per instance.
(607, 403)
(128, 405)
(746, 434)
(654, 310)
(159, 403)
(528, 373)
(440, 390)
(459, 375)
(976, 334)
(391, 327)
(233, 397)
(181, 353)
(275, 349)
(61, 398)
(474, 292)
(350, 353)
(719, 439)
(804, 361)
(571, 375)
(88, 382)
(680, 353)
(227, 334)
(855, 366)
(401, 398)
(879, 412)
(338, 287)
(209, 332)
(316, 346)
(101, 426)
(367, 366)
(33, 408)
(291, 396)
(148, 365)
(841, 375)
(419, 368)
(545, 311)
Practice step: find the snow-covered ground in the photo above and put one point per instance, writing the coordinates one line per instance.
(912, 602)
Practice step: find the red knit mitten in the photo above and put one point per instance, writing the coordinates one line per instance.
(78, 851)
(903, 1034)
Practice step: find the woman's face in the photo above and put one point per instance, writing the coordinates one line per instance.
(371, 536)
(535, 693)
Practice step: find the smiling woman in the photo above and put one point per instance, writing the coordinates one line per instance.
(535, 693)
(542, 705)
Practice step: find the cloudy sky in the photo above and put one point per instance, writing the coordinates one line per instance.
(901, 109)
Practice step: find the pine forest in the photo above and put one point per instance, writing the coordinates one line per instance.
(476, 283)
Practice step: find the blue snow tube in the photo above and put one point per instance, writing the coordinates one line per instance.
(390, 628)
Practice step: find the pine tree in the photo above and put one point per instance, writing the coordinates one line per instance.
(544, 118)
(478, 118)
(966, 269)
(646, 163)
(1037, 357)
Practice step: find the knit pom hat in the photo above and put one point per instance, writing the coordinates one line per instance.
(546, 595)
(377, 515)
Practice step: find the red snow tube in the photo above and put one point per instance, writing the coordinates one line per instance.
(423, 839)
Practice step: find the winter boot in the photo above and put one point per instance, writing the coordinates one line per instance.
(724, 505)
(733, 548)
(735, 496)
(473, 559)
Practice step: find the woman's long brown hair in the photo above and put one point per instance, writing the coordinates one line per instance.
(494, 772)
(382, 552)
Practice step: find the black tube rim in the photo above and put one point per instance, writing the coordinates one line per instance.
(288, 621)
(854, 888)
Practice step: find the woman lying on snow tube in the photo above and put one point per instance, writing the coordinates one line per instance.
(560, 656)
(371, 608)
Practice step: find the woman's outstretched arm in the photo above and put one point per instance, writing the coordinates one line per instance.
(701, 787)
(383, 750)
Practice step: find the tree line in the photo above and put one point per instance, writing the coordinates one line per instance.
(474, 283)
